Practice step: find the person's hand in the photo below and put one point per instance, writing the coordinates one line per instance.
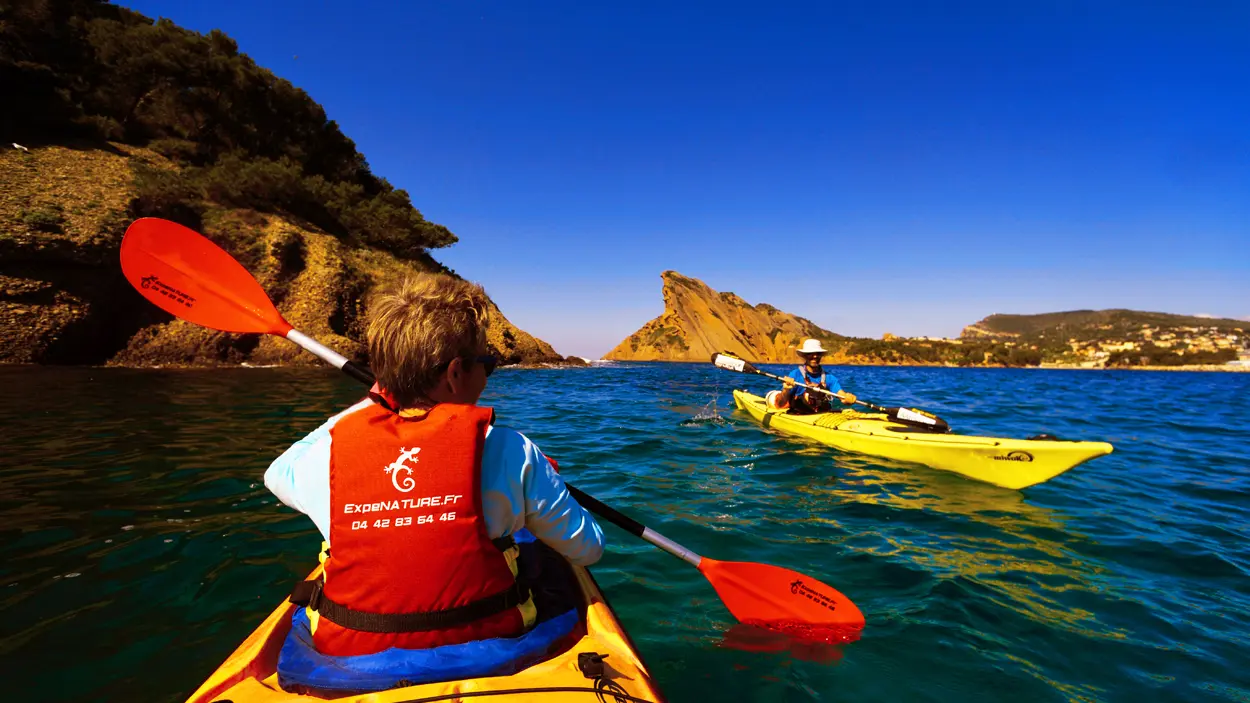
(787, 383)
(848, 398)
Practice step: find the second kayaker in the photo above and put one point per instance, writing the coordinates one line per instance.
(802, 401)
(418, 495)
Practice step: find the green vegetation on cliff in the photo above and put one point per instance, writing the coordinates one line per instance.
(925, 352)
(85, 69)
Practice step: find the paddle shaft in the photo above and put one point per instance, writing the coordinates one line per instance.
(906, 416)
(634, 527)
(826, 391)
(607, 512)
(331, 357)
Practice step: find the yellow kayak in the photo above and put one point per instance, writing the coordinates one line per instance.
(249, 675)
(1010, 463)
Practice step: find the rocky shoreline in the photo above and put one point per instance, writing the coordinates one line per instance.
(1236, 368)
(64, 301)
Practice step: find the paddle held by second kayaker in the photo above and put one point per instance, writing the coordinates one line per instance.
(419, 497)
(806, 401)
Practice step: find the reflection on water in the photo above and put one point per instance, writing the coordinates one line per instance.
(989, 536)
(749, 638)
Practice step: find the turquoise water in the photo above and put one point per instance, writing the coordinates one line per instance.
(138, 545)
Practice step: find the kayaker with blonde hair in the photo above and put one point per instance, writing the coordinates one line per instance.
(418, 496)
(803, 401)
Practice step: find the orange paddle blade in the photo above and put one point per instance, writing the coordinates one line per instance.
(784, 600)
(188, 276)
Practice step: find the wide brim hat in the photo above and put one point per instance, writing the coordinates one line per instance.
(811, 346)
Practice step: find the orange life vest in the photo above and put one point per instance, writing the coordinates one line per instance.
(410, 563)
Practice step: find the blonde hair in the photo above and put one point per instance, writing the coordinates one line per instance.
(420, 324)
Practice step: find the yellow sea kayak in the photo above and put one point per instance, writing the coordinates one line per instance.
(1010, 463)
(249, 675)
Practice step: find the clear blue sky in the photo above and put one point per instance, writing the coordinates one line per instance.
(885, 166)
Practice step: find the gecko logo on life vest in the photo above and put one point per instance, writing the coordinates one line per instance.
(799, 589)
(401, 464)
(1015, 456)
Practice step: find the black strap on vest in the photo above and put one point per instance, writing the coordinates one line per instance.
(310, 594)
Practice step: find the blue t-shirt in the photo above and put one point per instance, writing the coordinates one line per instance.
(800, 375)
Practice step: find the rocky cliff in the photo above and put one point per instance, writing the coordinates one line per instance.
(63, 300)
(698, 322)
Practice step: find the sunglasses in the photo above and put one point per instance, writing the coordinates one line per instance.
(488, 362)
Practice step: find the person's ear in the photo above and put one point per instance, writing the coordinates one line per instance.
(456, 375)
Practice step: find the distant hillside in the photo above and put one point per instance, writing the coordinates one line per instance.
(698, 321)
(1118, 337)
(1090, 324)
(119, 118)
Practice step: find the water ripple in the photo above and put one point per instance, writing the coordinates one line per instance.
(139, 545)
